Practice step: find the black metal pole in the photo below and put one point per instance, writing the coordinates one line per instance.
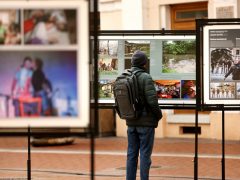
(29, 155)
(92, 155)
(196, 146)
(223, 143)
(94, 120)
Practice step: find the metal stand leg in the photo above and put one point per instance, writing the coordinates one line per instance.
(92, 155)
(196, 147)
(223, 144)
(29, 155)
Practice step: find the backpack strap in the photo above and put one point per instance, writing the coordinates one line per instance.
(128, 71)
(142, 99)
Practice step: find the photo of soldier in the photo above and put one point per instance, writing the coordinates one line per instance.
(220, 63)
(222, 90)
(238, 90)
(233, 71)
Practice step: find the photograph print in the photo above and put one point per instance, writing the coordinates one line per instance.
(238, 90)
(179, 56)
(108, 57)
(222, 90)
(50, 26)
(222, 63)
(132, 46)
(10, 27)
(188, 89)
(167, 89)
(128, 65)
(38, 84)
(106, 89)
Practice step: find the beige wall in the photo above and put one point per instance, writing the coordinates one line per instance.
(111, 14)
(214, 4)
(156, 15)
(111, 20)
(213, 130)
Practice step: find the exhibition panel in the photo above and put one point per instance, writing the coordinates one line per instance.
(172, 63)
(219, 63)
(44, 63)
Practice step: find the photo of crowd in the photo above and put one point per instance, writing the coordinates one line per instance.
(108, 57)
(10, 27)
(38, 83)
(188, 89)
(222, 90)
(106, 89)
(168, 89)
(50, 26)
(179, 56)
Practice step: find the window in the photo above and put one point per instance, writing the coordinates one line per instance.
(183, 15)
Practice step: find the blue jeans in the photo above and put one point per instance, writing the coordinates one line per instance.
(139, 138)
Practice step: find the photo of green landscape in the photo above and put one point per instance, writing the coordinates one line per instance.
(179, 56)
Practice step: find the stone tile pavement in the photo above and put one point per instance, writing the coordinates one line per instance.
(172, 159)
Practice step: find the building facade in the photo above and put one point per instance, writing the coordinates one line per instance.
(172, 15)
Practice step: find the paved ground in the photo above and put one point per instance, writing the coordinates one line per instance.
(172, 160)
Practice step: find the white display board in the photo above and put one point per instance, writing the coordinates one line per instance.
(44, 47)
(221, 64)
(172, 65)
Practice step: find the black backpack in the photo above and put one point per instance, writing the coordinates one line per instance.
(128, 103)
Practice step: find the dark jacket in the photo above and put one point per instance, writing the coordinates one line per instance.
(38, 79)
(151, 113)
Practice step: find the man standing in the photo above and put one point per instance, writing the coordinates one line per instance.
(141, 131)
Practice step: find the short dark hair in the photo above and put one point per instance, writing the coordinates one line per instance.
(27, 58)
(39, 63)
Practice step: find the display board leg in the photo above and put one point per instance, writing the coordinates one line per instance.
(92, 155)
(223, 143)
(29, 155)
(196, 147)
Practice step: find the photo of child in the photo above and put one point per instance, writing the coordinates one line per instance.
(10, 27)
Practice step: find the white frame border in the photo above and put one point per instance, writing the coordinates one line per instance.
(82, 49)
(206, 63)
